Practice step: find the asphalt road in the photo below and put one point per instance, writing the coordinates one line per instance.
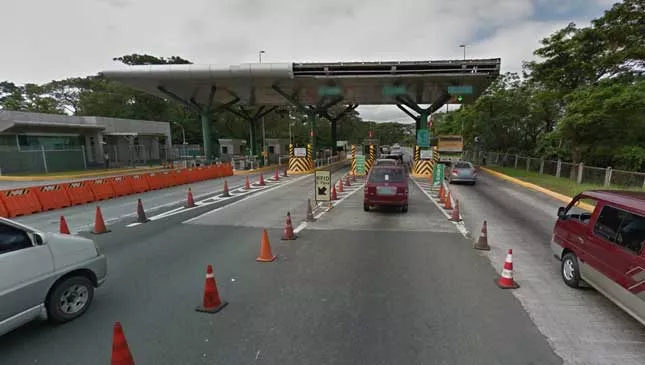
(355, 288)
(583, 326)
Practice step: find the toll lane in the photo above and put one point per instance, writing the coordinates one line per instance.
(583, 326)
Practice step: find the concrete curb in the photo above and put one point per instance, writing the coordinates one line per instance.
(552, 194)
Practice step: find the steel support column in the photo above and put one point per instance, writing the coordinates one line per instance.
(252, 118)
(325, 114)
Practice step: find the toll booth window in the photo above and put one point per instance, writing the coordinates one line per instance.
(225, 150)
(271, 149)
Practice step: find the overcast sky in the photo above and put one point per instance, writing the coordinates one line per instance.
(47, 40)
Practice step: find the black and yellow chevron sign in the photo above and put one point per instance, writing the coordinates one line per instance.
(290, 150)
(300, 165)
(423, 167)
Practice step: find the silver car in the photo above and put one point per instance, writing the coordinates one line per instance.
(45, 275)
(462, 171)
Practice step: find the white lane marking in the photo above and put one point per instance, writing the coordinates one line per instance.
(300, 227)
(264, 191)
(461, 227)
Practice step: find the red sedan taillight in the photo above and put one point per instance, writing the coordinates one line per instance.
(402, 190)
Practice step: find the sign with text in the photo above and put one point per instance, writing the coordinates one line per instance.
(438, 174)
(360, 164)
(460, 90)
(300, 152)
(423, 137)
(425, 154)
(394, 90)
(330, 91)
(323, 185)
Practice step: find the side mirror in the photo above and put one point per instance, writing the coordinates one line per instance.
(561, 212)
(38, 239)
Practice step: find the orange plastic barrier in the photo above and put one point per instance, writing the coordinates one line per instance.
(181, 177)
(3, 210)
(201, 173)
(52, 197)
(102, 189)
(139, 183)
(155, 181)
(168, 178)
(79, 192)
(20, 202)
(227, 169)
(121, 186)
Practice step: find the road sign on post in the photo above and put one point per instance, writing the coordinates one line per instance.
(460, 90)
(360, 164)
(323, 186)
(330, 91)
(423, 136)
(394, 90)
(438, 174)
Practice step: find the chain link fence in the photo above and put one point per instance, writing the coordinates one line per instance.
(578, 172)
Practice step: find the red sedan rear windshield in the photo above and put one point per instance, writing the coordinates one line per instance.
(379, 175)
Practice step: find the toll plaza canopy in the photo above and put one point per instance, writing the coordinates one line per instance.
(313, 87)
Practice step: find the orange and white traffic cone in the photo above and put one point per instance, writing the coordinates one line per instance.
(353, 176)
(333, 193)
(310, 212)
(347, 182)
(211, 303)
(455, 216)
(442, 194)
(482, 242)
(121, 354)
(340, 186)
(62, 226)
(141, 214)
(276, 175)
(247, 184)
(265, 249)
(448, 202)
(288, 233)
(505, 280)
(284, 172)
(99, 223)
(190, 202)
(226, 193)
(261, 182)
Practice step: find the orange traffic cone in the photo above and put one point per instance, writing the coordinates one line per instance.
(456, 217)
(284, 172)
(261, 182)
(448, 202)
(347, 182)
(340, 186)
(141, 214)
(310, 212)
(265, 249)
(506, 278)
(276, 176)
(226, 193)
(189, 200)
(211, 303)
(62, 226)
(333, 193)
(442, 194)
(353, 176)
(99, 223)
(247, 184)
(482, 242)
(121, 354)
(288, 233)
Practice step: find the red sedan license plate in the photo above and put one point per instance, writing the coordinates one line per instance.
(385, 190)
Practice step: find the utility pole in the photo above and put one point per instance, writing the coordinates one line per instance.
(464, 47)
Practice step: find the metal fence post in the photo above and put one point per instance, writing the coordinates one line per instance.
(42, 149)
(608, 172)
(528, 164)
(541, 165)
(558, 168)
(581, 168)
(517, 158)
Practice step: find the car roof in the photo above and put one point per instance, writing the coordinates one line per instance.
(632, 200)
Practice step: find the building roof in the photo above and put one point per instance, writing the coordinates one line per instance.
(360, 83)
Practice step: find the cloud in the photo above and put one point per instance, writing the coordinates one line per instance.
(71, 38)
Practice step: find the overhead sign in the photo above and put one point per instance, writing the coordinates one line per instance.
(360, 164)
(394, 90)
(330, 91)
(425, 154)
(438, 174)
(300, 152)
(423, 137)
(460, 90)
(323, 185)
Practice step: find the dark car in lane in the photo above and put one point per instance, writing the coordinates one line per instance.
(386, 186)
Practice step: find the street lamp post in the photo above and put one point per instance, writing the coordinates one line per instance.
(264, 135)
(183, 132)
(464, 47)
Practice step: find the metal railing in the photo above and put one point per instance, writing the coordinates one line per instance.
(578, 172)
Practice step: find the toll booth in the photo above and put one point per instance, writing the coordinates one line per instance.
(276, 147)
(231, 147)
(300, 159)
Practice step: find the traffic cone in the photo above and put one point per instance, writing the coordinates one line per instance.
(347, 182)
(276, 176)
(333, 193)
(211, 303)
(121, 354)
(141, 214)
(261, 182)
(265, 249)
(284, 172)
(189, 200)
(506, 278)
(456, 217)
(482, 242)
(448, 202)
(340, 186)
(62, 226)
(353, 176)
(442, 194)
(99, 223)
(247, 184)
(226, 193)
(310, 213)
(288, 233)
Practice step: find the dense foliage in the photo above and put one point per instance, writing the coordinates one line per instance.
(583, 100)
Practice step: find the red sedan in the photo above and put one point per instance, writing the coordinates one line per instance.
(386, 186)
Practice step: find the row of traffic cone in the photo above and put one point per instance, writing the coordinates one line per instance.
(446, 199)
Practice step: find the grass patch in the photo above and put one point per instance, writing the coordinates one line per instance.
(560, 185)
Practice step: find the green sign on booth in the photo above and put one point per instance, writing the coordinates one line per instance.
(423, 138)
(360, 164)
(438, 174)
